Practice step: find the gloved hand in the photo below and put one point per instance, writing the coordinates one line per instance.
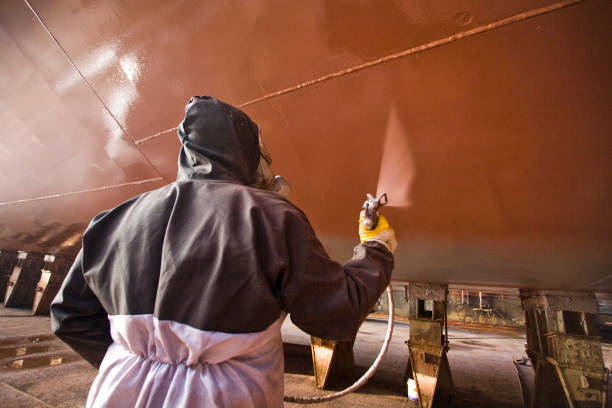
(383, 233)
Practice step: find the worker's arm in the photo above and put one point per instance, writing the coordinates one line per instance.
(327, 299)
(78, 318)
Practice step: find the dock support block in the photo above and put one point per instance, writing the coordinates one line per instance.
(22, 282)
(8, 260)
(331, 358)
(51, 278)
(566, 353)
(428, 364)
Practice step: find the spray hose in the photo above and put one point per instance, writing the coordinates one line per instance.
(367, 375)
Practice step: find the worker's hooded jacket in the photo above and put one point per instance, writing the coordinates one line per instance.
(179, 293)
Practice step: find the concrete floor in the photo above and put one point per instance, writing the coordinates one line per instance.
(37, 370)
(480, 360)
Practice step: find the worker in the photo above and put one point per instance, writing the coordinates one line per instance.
(178, 295)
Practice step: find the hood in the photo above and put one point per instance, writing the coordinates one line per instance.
(218, 141)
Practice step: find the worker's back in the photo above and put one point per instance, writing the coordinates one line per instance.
(204, 253)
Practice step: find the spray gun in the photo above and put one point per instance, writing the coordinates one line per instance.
(371, 206)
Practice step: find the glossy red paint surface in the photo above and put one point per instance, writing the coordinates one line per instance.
(146, 60)
(497, 144)
(57, 137)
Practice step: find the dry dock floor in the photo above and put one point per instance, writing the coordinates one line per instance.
(38, 370)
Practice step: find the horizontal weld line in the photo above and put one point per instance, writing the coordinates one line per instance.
(156, 135)
(599, 281)
(91, 190)
(513, 19)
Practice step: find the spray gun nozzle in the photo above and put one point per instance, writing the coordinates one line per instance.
(371, 206)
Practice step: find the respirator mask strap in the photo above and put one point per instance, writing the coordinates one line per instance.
(265, 178)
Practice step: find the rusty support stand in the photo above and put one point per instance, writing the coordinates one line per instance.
(331, 358)
(428, 364)
(566, 354)
(8, 260)
(51, 278)
(22, 282)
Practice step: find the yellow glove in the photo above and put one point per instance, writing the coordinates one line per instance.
(383, 233)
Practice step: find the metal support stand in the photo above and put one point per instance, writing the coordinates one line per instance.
(566, 354)
(22, 282)
(51, 278)
(331, 358)
(428, 364)
(8, 260)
